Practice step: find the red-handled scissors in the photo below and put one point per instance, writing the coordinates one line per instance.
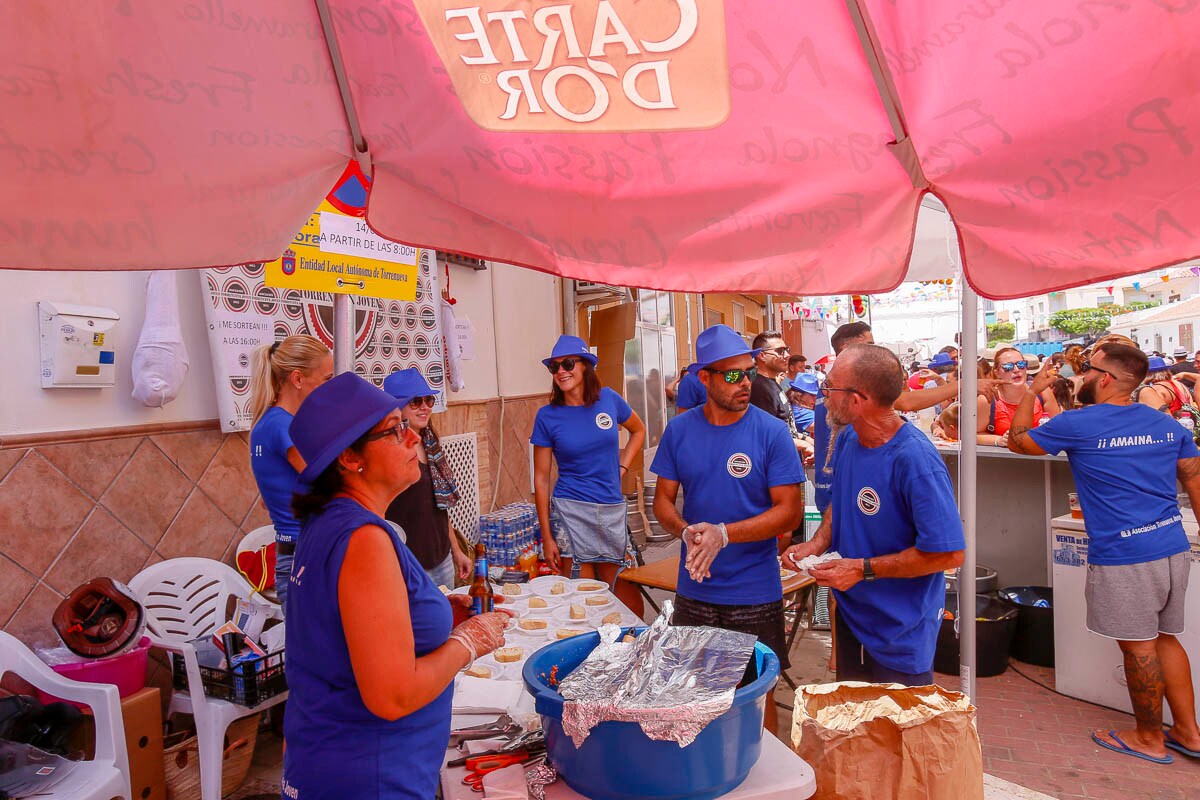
(478, 766)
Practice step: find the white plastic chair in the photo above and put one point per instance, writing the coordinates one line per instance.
(185, 599)
(257, 539)
(106, 776)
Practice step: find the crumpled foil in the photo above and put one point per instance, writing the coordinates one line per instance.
(537, 778)
(672, 681)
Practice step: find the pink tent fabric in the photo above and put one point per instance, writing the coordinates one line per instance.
(679, 144)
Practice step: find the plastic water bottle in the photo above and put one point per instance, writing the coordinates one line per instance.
(1040, 603)
(1188, 424)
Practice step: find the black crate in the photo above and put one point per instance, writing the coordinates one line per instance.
(253, 682)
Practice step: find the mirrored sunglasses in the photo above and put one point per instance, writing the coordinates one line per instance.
(735, 375)
(1014, 365)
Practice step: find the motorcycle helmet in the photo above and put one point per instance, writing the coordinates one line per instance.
(100, 618)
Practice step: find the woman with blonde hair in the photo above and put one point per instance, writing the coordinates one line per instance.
(284, 373)
(1011, 370)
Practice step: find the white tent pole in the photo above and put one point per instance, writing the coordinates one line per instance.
(967, 425)
(343, 305)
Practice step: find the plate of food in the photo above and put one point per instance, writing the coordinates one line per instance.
(488, 667)
(531, 625)
(513, 591)
(594, 601)
(570, 630)
(551, 586)
(575, 613)
(602, 616)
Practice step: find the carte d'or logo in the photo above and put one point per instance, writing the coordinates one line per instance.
(584, 67)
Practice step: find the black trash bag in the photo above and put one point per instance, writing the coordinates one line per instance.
(48, 727)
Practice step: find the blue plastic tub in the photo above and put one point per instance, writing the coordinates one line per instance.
(619, 762)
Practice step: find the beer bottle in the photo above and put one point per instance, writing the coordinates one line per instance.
(481, 589)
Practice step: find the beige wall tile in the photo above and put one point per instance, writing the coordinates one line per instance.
(39, 511)
(15, 585)
(200, 530)
(102, 548)
(32, 622)
(91, 465)
(148, 493)
(9, 459)
(191, 452)
(228, 481)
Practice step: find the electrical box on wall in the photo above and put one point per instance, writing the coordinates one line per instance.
(78, 350)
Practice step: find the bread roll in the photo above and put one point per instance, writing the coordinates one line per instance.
(507, 655)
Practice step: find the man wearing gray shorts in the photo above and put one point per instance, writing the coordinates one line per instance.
(1125, 458)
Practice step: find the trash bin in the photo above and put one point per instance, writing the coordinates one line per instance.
(996, 622)
(1034, 640)
(985, 580)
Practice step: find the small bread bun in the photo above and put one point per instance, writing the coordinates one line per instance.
(612, 619)
(533, 624)
(511, 590)
(558, 588)
(479, 671)
(578, 612)
(567, 633)
(597, 601)
(507, 655)
(537, 602)
(591, 586)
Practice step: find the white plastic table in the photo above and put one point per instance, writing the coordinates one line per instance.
(779, 774)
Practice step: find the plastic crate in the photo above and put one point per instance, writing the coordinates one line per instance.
(248, 684)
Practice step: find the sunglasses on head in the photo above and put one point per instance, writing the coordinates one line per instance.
(427, 400)
(1014, 365)
(398, 430)
(735, 375)
(567, 363)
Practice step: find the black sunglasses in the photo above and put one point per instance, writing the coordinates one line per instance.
(1014, 365)
(1087, 366)
(779, 351)
(567, 363)
(735, 375)
(427, 400)
(398, 430)
(825, 390)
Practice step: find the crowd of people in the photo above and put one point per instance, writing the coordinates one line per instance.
(359, 490)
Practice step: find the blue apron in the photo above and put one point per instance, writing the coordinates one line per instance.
(336, 748)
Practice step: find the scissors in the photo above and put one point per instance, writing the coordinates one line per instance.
(478, 766)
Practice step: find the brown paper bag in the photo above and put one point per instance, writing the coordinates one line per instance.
(871, 741)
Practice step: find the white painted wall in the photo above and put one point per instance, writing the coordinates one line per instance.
(27, 408)
(527, 310)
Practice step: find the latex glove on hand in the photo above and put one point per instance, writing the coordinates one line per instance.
(482, 634)
(704, 540)
(460, 604)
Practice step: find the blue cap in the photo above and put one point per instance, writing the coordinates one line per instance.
(692, 368)
(941, 360)
(806, 382)
(333, 417)
(405, 384)
(720, 342)
(571, 346)
(1157, 364)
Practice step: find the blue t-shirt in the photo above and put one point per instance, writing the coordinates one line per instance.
(822, 463)
(803, 416)
(336, 748)
(269, 444)
(690, 393)
(587, 447)
(726, 473)
(1124, 461)
(887, 499)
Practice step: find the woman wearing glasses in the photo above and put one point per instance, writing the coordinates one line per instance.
(421, 509)
(1010, 370)
(283, 374)
(583, 519)
(372, 644)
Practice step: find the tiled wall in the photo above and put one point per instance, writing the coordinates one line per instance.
(110, 506)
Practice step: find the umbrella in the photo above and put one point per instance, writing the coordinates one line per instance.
(749, 145)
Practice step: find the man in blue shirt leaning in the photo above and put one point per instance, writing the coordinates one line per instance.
(893, 520)
(741, 481)
(1125, 458)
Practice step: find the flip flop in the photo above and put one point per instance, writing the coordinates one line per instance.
(1178, 748)
(1129, 751)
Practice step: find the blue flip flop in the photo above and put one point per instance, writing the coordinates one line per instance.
(1129, 751)
(1178, 748)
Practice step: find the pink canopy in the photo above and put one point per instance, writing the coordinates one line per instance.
(679, 144)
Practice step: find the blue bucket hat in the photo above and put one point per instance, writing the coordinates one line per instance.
(941, 360)
(333, 417)
(571, 346)
(807, 383)
(719, 342)
(1157, 364)
(405, 384)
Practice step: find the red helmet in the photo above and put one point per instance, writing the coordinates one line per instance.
(100, 618)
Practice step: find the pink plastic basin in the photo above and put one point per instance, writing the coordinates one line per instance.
(126, 671)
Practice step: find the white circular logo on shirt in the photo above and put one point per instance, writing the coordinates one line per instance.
(603, 421)
(868, 501)
(739, 465)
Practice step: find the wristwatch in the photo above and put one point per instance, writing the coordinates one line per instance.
(868, 572)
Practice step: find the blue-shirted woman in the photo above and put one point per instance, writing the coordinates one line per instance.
(283, 374)
(372, 654)
(583, 519)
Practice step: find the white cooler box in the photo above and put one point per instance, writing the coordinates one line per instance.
(1089, 666)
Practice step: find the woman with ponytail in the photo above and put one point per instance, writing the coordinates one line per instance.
(283, 375)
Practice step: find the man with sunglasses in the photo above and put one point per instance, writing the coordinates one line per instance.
(1126, 458)
(741, 479)
(767, 393)
(893, 520)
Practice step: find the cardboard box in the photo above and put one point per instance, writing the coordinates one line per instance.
(142, 716)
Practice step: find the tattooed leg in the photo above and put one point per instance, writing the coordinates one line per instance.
(1144, 677)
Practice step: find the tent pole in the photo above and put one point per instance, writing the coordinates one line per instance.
(967, 425)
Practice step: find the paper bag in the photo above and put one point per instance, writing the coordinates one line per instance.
(871, 741)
